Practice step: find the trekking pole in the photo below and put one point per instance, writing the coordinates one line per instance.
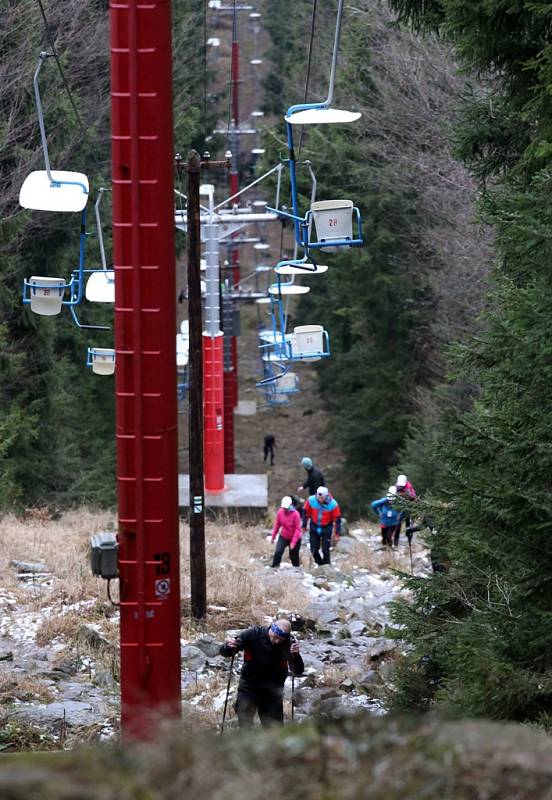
(410, 551)
(292, 696)
(227, 693)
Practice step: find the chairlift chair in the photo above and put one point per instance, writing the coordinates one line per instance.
(100, 287)
(102, 360)
(46, 295)
(314, 114)
(310, 343)
(49, 189)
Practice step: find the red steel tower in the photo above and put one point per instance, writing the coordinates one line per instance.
(145, 330)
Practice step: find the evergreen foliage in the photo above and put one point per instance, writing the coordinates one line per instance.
(480, 632)
(56, 418)
(385, 309)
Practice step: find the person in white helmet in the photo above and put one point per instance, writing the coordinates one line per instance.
(323, 516)
(406, 490)
(287, 527)
(390, 518)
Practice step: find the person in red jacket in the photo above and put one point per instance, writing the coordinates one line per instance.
(288, 525)
(323, 514)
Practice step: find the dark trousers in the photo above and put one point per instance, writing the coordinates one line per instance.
(390, 536)
(281, 545)
(269, 450)
(268, 704)
(323, 540)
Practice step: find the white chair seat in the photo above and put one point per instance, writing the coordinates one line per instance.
(37, 192)
(322, 116)
(46, 295)
(100, 287)
(269, 336)
(289, 270)
(288, 288)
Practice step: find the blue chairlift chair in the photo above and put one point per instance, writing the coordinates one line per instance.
(334, 218)
(102, 360)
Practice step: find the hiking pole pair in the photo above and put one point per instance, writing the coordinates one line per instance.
(227, 692)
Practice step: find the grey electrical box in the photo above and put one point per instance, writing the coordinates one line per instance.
(103, 555)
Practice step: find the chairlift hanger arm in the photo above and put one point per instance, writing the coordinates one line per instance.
(88, 327)
(101, 192)
(53, 182)
(278, 168)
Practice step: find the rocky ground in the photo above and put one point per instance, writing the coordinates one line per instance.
(61, 685)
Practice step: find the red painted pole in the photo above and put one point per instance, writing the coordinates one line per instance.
(145, 385)
(213, 411)
(231, 375)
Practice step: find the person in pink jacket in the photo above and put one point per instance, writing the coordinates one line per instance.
(288, 525)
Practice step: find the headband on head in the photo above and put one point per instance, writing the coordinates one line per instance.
(278, 631)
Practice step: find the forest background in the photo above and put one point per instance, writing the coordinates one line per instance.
(439, 325)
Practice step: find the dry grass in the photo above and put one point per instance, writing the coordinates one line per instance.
(62, 626)
(21, 687)
(236, 578)
(63, 545)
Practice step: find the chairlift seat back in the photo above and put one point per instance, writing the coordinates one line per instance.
(333, 219)
(308, 343)
(69, 192)
(288, 383)
(46, 295)
(100, 287)
(103, 360)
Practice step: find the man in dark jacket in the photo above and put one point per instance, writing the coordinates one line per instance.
(268, 653)
(314, 477)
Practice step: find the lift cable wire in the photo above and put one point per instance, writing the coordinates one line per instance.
(234, 23)
(205, 71)
(309, 64)
(54, 53)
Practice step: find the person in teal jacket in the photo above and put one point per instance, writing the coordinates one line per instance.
(390, 518)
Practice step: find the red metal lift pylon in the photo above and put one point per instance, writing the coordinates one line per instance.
(145, 330)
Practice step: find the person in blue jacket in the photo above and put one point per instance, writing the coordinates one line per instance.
(390, 518)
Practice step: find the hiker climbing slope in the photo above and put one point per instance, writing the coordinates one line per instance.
(323, 516)
(268, 653)
(404, 490)
(288, 526)
(390, 518)
(269, 445)
(314, 477)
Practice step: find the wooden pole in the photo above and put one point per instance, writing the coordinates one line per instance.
(195, 395)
